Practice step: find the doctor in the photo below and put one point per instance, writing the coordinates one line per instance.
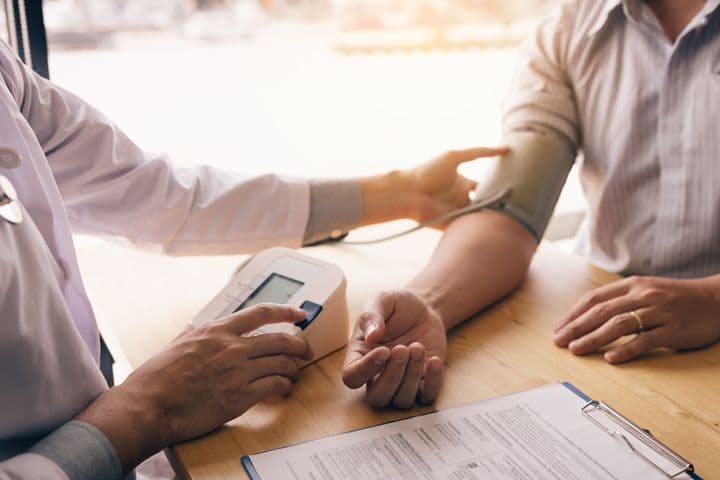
(66, 168)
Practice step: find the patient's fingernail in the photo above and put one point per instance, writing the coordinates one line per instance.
(435, 367)
(416, 353)
(400, 355)
(382, 357)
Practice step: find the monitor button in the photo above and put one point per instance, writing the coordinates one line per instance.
(312, 310)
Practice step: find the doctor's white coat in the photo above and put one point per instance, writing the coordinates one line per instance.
(80, 173)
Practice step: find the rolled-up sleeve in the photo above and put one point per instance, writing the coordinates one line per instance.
(541, 96)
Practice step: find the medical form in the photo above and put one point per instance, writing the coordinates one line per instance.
(540, 434)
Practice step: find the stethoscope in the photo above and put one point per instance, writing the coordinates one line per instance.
(9, 206)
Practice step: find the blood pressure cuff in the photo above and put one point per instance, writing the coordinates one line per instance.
(533, 174)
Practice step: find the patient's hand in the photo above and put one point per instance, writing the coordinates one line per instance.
(674, 313)
(398, 350)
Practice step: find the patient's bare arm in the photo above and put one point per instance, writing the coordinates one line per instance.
(399, 344)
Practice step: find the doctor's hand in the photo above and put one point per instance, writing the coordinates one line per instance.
(207, 376)
(662, 312)
(424, 192)
(397, 350)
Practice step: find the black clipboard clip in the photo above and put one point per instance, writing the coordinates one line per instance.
(630, 431)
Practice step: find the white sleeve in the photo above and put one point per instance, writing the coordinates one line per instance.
(110, 186)
(30, 466)
(541, 96)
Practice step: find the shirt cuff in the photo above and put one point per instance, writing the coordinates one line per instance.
(335, 208)
(81, 451)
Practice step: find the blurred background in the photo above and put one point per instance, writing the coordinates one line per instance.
(322, 88)
(300, 87)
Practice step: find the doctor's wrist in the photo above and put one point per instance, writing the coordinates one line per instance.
(130, 422)
(388, 197)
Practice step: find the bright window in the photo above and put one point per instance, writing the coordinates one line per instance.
(311, 88)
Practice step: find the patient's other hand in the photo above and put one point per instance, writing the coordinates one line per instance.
(398, 350)
(660, 312)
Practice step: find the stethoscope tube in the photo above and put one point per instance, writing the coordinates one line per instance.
(491, 201)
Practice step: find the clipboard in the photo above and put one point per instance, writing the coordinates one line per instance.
(630, 433)
(639, 441)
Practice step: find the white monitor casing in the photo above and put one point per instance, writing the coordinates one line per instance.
(323, 284)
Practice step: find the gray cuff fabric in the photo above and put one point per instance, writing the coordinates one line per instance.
(335, 209)
(81, 451)
(520, 217)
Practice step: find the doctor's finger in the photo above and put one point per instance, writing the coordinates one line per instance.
(408, 390)
(265, 387)
(270, 344)
(247, 320)
(466, 186)
(430, 386)
(461, 191)
(275, 365)
(381, 390)
(461, 156)
(360, 369)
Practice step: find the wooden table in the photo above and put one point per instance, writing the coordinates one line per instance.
(143, 300)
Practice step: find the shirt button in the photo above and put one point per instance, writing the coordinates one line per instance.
(9, 158)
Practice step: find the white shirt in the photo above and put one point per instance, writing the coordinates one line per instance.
(80, 173)
(603, 76)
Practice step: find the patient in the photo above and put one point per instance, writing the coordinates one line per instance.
(633, 84)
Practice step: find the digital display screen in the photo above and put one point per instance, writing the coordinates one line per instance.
(275, 289)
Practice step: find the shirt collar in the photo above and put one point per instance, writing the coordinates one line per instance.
(702, 18)
(631, 8)
(602, 19)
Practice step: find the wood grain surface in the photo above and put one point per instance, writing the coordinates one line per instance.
(143, 300)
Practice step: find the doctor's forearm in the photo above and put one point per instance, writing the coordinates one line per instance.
(481, 258)
(387, 197)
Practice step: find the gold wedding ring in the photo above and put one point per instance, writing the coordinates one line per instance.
(638, 320)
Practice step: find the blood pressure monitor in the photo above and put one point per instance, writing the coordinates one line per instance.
(280, 275)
